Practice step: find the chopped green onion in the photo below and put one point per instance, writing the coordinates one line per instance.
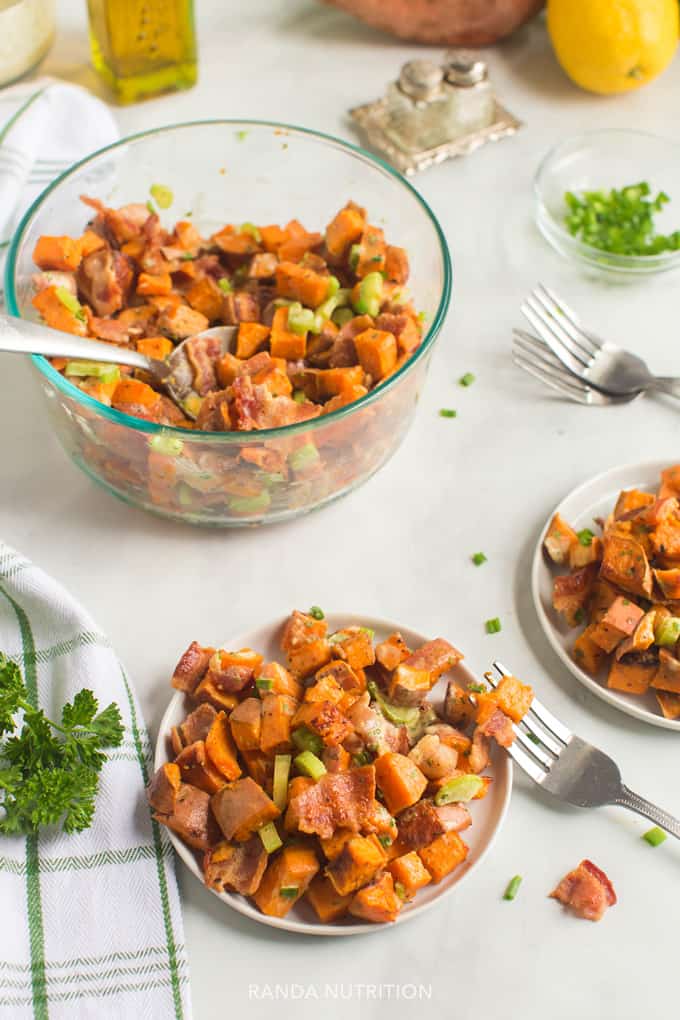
(264, 683)
(467, 379)
(241, 136)
(460, 789)
(97, 369)
(493, 626)
(655, 836)
(280, 780)
(333, 286)
(512, 888)
(309, 765)
(362, 758)
(151, 207)
(303, 457)
(317, 613)
(585, 536)
(369, 631)
(354, 256)
(385, 840)
(299, 396)
(477, 688)
(225, 285)
(167, 445)
(305, 740)
(667, 632)
(447, 412)
(478, 559)
(533, 738)
(370, 295)
(271, 840)
(250, 228)
(400, 890)
(289, 892)
(250, 504)
(619, 221)
(187, 257)
(162, 195)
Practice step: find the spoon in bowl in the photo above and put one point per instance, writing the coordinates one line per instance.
(174, 376)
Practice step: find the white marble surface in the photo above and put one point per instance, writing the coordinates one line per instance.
(400, 547)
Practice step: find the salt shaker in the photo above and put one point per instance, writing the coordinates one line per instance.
(469, 99)
(416, 106)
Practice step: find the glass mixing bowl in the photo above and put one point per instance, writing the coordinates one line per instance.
(234, 171)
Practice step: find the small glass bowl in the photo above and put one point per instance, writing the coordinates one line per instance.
(220, 172)
(600, 160)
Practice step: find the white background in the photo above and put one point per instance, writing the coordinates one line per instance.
(400, 547)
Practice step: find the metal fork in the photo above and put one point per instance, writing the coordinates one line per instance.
(594, 361)
(533, 356)
(571, 769)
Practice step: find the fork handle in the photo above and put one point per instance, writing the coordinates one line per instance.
(667, 384)
(634, 802)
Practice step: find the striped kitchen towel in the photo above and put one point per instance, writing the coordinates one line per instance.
(91, 923)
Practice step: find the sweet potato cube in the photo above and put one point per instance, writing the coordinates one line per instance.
(149, 284)
(354, 645)
(283, 682)
(559, 539)
(325, 688)
(332, 845)
(400, 781)
(571, 593)
(242, 807)
(377, 902)
(324, 719)
(514, 698)
(209, 691)
(196, 768)
(443, 855)
(625, 564)
(458, 709)
(307, 659)
(669, 582)
(60, 253)
(191, 818)
(220, 749)
(602, 595)
(581, 555)
(631, 499)
(239, 867)
(327, 903)
(390, 652)
(371, 252)
(299, 283)
(206, 297)
(286, 880)
(241, 245)
(133, 391)
(197, 724)
(356, 864)
(416, 675)
(341, 672)
(191, 667)
(259, 767)
(670, 482)
(669, 704)
(56, 314)
(589, 656)
(251, 336)
(181, 321)
(158, 347)
(410, 872)
(619, 622)
(377, 352)
(301, 628)
(246, 724)
(668, 676)
(277, 712)
(632, 674)
(345, 228)
(163, 788)
(283, 343)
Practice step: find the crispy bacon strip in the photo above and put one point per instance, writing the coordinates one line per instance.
(586, 890)
(340, 800)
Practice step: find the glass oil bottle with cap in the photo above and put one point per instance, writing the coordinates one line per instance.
(143, 47)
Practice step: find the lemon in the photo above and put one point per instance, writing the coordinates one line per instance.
(611, 46)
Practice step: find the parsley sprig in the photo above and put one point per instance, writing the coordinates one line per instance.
(49, 772)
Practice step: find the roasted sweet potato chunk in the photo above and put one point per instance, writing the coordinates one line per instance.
(559, 539)
(191, 667)
(443, 855)
(571, 593)
(220, 749)
(356, 864)
(667, 677)
(400, 781)
(324, 719)
(238, 866)
(191, 818)
(619, 622)
(410, 873)
(326, 901)
(286, 879)
(242, 807)
(633, 673)
(625, 564)
(163, 788)
(197, 769)
(377, 902)
(246, 724)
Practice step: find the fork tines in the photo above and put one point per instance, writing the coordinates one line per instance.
(534, 357)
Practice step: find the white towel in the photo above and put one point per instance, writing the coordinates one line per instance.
(45, 127)
(91, 923)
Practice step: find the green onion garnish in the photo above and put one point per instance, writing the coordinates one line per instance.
(250, 228)
(271, 840)
(477, 688)
(305, 740)
(619, 221)
(264, 683)
(467, 379)
(163, 196)
(478, 559)
(385, 840)
(655, 836)
(299, 396)
(585, 536)
(317, 613)
(280, 780)
(241, 136)
(512, 888)
(447, 412)
(400, 890)
(225, 285)
(289, 892)
(493, 626)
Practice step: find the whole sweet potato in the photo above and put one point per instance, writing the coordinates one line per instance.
(444, 22)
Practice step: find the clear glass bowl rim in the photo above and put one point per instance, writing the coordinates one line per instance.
(615, 261)
(153, 428)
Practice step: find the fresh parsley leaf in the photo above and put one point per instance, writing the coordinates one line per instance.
(12, 690)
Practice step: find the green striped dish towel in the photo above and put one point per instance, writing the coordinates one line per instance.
(91, 923)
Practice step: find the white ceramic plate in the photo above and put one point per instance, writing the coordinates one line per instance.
(487, 814)
(595, 498)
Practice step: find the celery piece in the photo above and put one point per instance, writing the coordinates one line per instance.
(326, 309)
(250, 504)
(98, 369)
(655, 836)
(342, 316)
(370, 295)
(333, 286)
(460, 788)
(71, 302)
(303, 457)
(167, 445)
(299, 396)
(250, 228)
(271, 840)
(272, 478)
(309, 765)
(163, 196)
(303, 320)
(192, 404)
(667, 632)
(185, 495)
(354, 256)
(305, 740)
(225, 285)
(397, 714)
(282, 764)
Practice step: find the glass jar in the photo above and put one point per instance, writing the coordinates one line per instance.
(26, 34)
(143, 47)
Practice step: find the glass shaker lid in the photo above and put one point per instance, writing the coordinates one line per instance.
(464, 68)
(421, 79)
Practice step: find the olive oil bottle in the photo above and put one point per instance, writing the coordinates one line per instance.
(143, 47)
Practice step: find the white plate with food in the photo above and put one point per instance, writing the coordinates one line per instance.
(322, 909)
(624, 665)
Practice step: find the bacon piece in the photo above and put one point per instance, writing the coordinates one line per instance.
(419, 825)
(586, 890)
(340, 800)
(454, 817)
(197, 724)
(203, 352)
(119, 225)
(54, 278)
(238, 867)
(214, 414)
(104, 280)
(571, 593)
(191, 667)
(112, 330)
(498, 726)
